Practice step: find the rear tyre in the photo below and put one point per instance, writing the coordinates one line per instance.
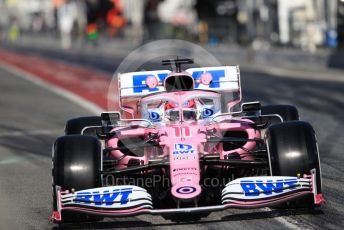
(81, 151)
(76, 125)
(293, 150)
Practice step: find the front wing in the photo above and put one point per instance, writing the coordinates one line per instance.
(128, 200)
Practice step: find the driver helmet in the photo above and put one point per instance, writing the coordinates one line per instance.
(189, 109)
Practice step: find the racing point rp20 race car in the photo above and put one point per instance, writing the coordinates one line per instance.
(187, 145)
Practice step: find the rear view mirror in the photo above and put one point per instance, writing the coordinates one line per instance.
(251, 108)
(110, 118)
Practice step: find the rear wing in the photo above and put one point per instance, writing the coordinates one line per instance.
(224, 79)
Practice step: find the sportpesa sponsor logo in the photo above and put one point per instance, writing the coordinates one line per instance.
(183, 149)
(269, 187)
(120, 196)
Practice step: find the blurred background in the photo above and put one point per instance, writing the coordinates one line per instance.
(307, 24)
(300, 26)
(57, 59)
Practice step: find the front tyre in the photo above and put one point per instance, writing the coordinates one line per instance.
(76, 165)
(293, 151)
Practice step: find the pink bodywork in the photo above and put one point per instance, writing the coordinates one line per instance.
(184, 164)
(183, 143)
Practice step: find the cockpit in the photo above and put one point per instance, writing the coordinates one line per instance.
(180, 106)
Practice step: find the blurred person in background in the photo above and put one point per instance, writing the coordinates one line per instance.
(152, 21)
(115, 19)
(66, 16)
(104, 18)
(37, 22)
(13, 32)
(133, 11)
(92, 30)
(71, 15)
(180, 18)
(206, 13)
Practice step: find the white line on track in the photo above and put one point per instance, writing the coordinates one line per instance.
(53, 88)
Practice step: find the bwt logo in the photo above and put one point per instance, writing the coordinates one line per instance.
(207, 112)
(255, 188)
(183, 149)
(107, 197)
(154, 116)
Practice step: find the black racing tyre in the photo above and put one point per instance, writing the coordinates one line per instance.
(83, 151)
(76, 125)
(297, 137)
(287, 112)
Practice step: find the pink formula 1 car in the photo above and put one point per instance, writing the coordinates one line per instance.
(189, 147)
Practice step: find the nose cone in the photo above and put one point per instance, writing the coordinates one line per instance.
(186, 191)
(185, 172)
